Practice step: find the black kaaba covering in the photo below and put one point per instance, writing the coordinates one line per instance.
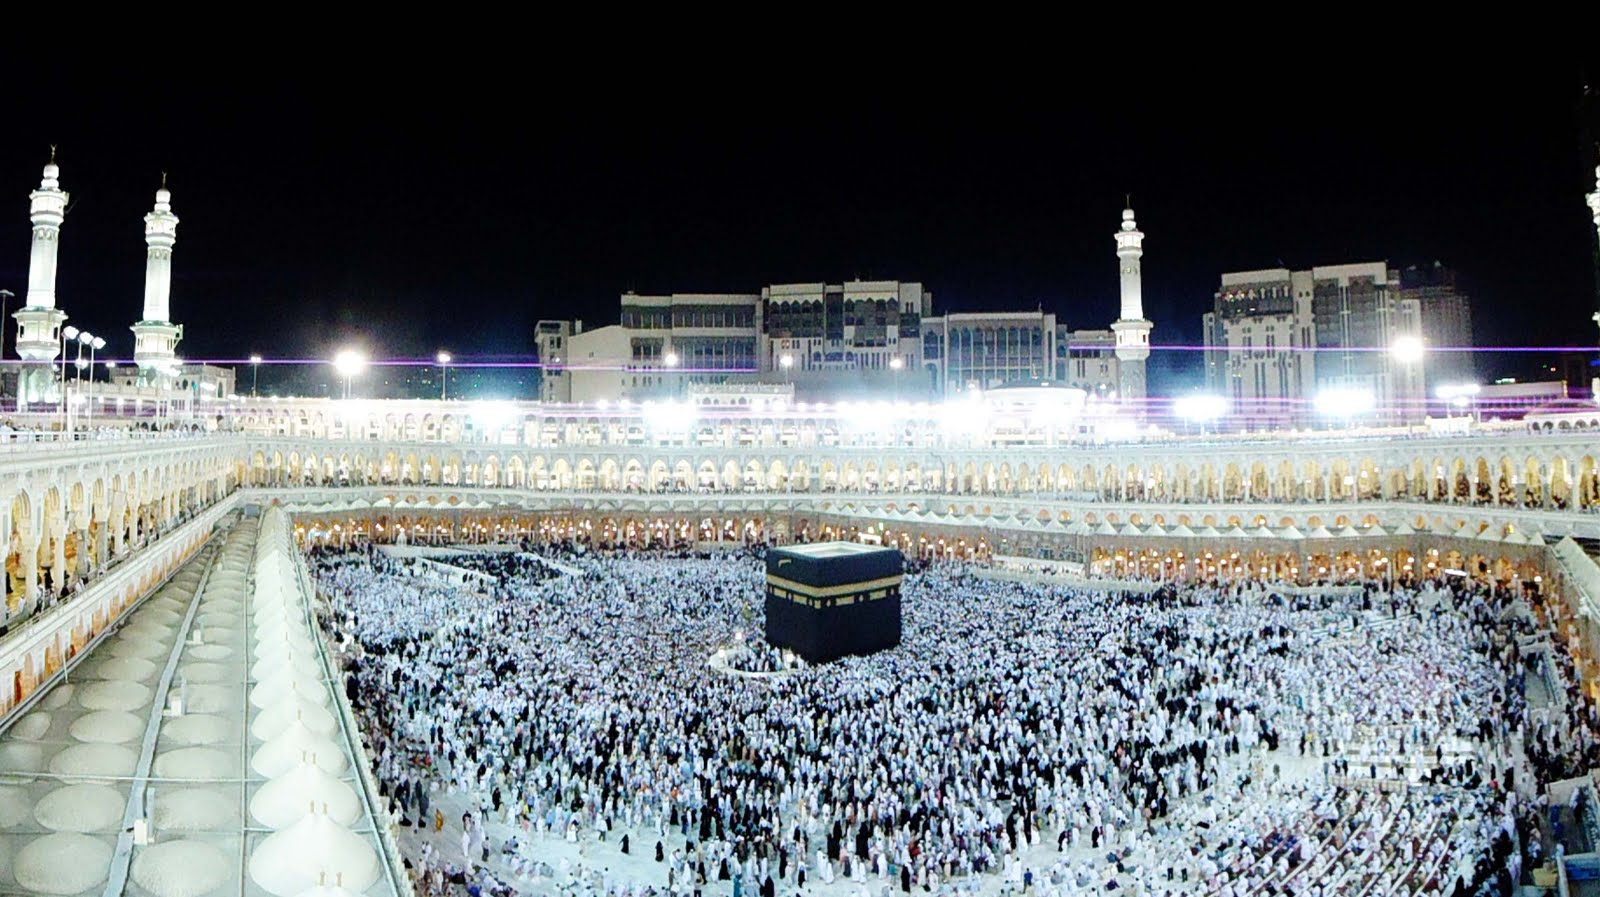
(832, 599)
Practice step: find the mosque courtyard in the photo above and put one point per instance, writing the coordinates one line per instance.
(1197, 739)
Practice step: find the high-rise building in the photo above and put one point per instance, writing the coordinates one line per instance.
(1277, 338)
(1369, 338)
(1256, 338)
(856, 336)
(820, 341)
(1446, 322)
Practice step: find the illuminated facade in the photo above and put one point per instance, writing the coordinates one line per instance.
(155, 336)
(1277, 339)
(856, 339)
(1131, 329)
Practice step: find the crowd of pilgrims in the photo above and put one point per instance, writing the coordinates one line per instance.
(1059, 739)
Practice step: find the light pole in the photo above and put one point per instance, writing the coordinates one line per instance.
(896, 364)
(349, 363)
(95, 345)
(1409, 351)
(255, 373)
(68, 332)
(671, 359)
(444, 360)
(85, 338)
(786, 361)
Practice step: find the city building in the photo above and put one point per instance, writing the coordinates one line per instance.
(662, 346)
(1369, 342)
(1335, 342)
(1255, 337)
(859, 338)
(1446, 323)
(1087, 360)
(986, 350)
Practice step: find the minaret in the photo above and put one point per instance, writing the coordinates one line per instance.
(1594, 206)
(1132, 330)
(39, 321)
(155, 336)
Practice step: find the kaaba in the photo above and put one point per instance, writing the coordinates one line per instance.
(833, 599)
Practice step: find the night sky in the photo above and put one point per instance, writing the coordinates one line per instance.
(413, 214)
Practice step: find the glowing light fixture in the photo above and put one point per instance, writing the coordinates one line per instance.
(1407, 349)
(1200, 409)
(1343, 402)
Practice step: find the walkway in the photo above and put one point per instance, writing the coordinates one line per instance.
(154, 728)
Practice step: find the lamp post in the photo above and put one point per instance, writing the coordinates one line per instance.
(671, 359)
(1408, 350)
(786, 361)
(95, 345)
(444, 359)
(255, 373)
(68, 333)
(85, 338)
(897, 364)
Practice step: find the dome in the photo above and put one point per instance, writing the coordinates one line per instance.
(293, 745)
(271, 722)
(287, 799)
(285, 683)
(313, 851)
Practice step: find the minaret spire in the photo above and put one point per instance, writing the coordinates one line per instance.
(1131, 328)
(1594, 207)
(39, 321)
(155, 336)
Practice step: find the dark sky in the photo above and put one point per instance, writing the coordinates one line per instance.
(418, 213)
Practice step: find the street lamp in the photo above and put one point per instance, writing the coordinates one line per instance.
(786, 361)
(68, 332)
(349, 363)
(255, 373)
(95, 344)
(1407, 349)
(1200, 409)
(444, 374)
(671, 360)
(85, 338)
